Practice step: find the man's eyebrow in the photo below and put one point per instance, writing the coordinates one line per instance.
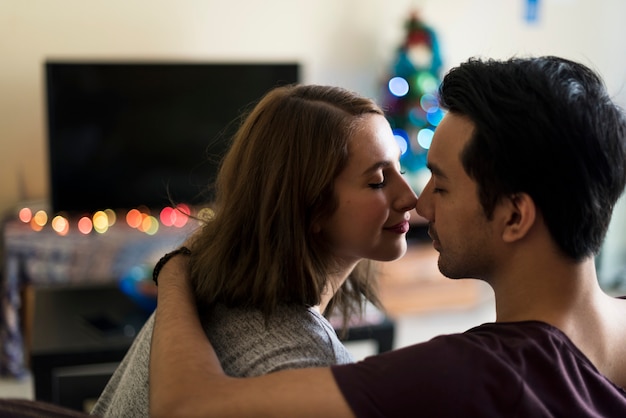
(436, 170)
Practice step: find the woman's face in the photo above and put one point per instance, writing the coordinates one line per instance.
(374, 200)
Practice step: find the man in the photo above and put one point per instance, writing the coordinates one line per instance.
(526, 168)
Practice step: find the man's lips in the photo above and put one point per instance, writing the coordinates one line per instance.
(433, 236)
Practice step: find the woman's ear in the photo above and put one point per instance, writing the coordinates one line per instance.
(522, 214)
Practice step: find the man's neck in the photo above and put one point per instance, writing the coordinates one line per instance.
(569, 297)
(550, 289)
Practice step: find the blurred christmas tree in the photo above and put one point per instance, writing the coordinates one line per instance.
(410, 97)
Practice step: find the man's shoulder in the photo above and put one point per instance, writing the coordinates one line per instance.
(493, 340)
(512, 351)
(531, 366)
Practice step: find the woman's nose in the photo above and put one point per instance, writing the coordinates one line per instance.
(407, 198)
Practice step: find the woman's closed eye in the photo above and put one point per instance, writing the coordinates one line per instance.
(383, 183)
(377, 185)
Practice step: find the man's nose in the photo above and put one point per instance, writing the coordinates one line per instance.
(423, 203)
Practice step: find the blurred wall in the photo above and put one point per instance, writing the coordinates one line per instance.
(344, 42)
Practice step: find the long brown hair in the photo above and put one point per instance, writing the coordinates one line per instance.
(274, 184)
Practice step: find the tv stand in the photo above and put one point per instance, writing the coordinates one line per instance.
(79, 336)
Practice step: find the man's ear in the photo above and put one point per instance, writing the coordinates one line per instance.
(522, 214)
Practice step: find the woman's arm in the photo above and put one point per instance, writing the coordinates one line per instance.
(186, 378)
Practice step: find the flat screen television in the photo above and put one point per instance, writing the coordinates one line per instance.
(127, 134)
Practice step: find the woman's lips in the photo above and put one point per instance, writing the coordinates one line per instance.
(401, 228)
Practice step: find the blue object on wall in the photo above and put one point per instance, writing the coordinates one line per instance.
(532, 11)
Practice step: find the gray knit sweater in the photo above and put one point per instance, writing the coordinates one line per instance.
(295, 337)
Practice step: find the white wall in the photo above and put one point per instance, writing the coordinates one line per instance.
(344, 42)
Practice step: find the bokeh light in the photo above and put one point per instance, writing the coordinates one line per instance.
(425, 137)
(40, 218)
(402, 139)
(149, 225)
(427, 82)
(182, 215)
(60, 225)
(85, 226)
(133, 218)
(434, 115)
(428, 101)
(100, 222)
(184, 208)
(35, 226)
(207, 214)
(167, 216)
(111, 216)
(25, 215)
(398, 86)
(177, 217)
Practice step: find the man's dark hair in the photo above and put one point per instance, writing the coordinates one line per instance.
(547, 127)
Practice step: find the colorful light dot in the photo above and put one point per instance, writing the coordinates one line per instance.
(428, 101)
(35, 226)
(150, 225)
(133, 218)
(182, 215)
(100, 222)
(434, 116)
(111, 216)
(206, 214)
(167, 216)
(425, 137)
(402, 139)
(398, 86)
(41, 218)
(85, 225)
(25, 215)
(427, 83)
(60, 225)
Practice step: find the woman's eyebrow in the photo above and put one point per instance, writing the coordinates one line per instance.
(376, 166)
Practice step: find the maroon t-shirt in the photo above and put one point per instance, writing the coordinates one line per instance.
(521, 369)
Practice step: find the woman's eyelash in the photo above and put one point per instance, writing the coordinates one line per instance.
(377, 185)
(382, 183)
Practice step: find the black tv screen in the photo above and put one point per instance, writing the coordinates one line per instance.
(125, 135)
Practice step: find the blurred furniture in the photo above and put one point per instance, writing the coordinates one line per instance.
(35, 259)
(80, 333)
(25, 408)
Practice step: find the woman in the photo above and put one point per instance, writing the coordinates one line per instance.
(309, 189)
